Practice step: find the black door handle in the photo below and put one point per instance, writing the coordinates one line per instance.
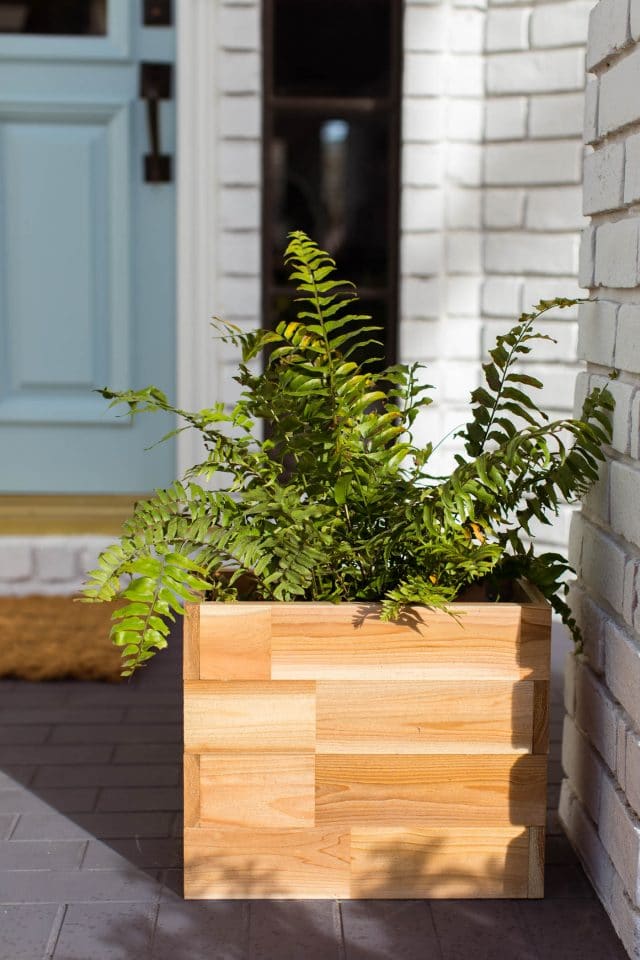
(155, 85)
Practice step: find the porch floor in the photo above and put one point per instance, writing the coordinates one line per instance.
(90, 852)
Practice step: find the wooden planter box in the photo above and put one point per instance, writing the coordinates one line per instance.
(328, 754)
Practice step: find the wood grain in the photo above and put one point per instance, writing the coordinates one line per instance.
(235, 641)
(191, 782)
(419, 862)
(437, 790)
(191, 641)
(424, 717)
(540, 739)
(257, 790)
(266, 864)
(535, 888)
(349, 642)
(249, 715)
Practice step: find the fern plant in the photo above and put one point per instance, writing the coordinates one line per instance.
(337, 502)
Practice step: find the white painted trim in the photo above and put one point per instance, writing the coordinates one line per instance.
(197, 281)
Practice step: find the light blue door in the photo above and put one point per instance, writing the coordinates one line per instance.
(87, 249)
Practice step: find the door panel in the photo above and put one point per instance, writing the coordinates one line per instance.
(87, 279)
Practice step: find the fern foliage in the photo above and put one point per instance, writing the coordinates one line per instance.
(336, 501)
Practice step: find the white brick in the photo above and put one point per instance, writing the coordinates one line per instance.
(584, 837)
(421, 164)
(591, 110)
(596, 502)
(239, 28)
(461, 338)
(88, 549)
(558, 115)
(464, 252)
(465, 76)
(632, 770)
(239, 253)
(628, 339)
(421, 254)
(596, 714)
(239, 163)
(615, 105)
(531, 252)
(623, 395)
(557, 387)
(530, 163)
(632, 169)
(55, 560)
(586, 261)
(603, 563)
(582, 767)
(465, 120)
(635, 19)
(607, 29)
(466, 31)
(16, 559)
(463, 296)
(621, 750)
(617, 253)
(504, 208)
(622, 669)
(569, 689)
(420, 297)
(421, 208)
(239, 296)
(507, 29)
(543, 71)
(625, 502)
(464, 164)
(240, 116)
(240, 208)
(464, 208)
(560, 24)
(239, 72)
(424, 28)
(597, 337)
(422, 119)
(501, 297)
(423, 74)
(546, 288)
(592, 622)
(634, 446)
(603, 171)
(419, 340)
(620, 833)
(629, 590)
(625, 918)
(554, 208)
(505, 118)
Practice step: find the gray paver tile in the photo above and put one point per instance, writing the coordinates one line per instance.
(566, 882)
(482, 929)
(16, 733)
(291, 930)
(199, 929)
(74, 800)
(148, 753)
(378, 929)
(25, 930)
(54, 753)
(77, 886)
(7, 821)
(41, 854)
(109, 775)
(116, 733)
(54, 714)
(140, 798)
(12, 776)
(106, 931)
(570, 930)
(559, 850)
(153, 852)
(170, 713)
(52, 826)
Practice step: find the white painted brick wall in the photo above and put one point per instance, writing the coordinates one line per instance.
(603, 818)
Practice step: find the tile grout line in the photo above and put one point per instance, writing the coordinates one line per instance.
(54, 936)
(435, 930)
(337, 916)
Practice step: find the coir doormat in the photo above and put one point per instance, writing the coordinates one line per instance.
(52, 638)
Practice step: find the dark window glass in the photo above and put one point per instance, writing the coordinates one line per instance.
(331, 47)
(54, 17)
(329, 178)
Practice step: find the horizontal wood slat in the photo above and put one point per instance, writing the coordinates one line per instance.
(424, 716)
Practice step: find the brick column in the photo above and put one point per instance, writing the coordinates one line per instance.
(600, 803)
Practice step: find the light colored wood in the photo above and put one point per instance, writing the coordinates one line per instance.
(437, 790)
(418, 862)
(191, 641)
(349, 642)
(423, 717)
(257, 790)
(235, 641)
(240, 864)
(66, 513)
(540, 740)
(249, 715)
(191, 789)
(535, 888)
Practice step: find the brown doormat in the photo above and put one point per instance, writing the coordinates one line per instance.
(51, 638)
